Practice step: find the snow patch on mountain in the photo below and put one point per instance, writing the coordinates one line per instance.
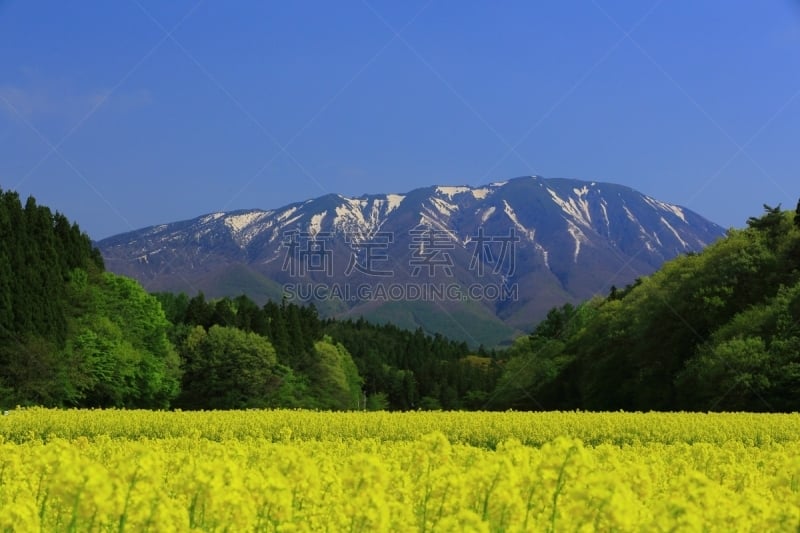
(629, 214)
(486, 214)
(604, 208)
(239, 222)
(289, 221)
(545, 254)
(481, 194)
(452, 191)
(242, 225)
(663, 206)
(211, 218)
(512, 216)
(677, 236)
(446, 209)
(579, 238)
(583, 202)
(655, 236)
(393, 201)
(349, 218)
(315, 226)
(286, 214)
(579, 210)
(158, 229)
(427, 221)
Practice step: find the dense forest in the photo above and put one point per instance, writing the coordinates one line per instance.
(237, 354)
(713, 331)
(717, 330)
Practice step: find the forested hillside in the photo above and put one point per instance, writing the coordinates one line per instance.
(718, 330)
(70, 333)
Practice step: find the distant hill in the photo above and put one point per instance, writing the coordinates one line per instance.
(475, 263)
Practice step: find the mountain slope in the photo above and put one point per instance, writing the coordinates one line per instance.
(514, 249)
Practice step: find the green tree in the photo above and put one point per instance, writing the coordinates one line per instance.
(752, 362)
(334, 376)
(31, 373)
(119, 342)
(731, 375)
(797, 215)
(226, 368)
(771, 222)
(534, 363)
(199, 312)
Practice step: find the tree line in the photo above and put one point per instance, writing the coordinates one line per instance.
(709, 331)
(316, 362)
(72, 334)
(717, 330)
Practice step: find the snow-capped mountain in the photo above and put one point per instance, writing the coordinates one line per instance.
(542, 241)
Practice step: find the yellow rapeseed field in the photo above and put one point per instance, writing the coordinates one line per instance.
(424, 471)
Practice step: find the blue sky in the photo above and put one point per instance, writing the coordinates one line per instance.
(136, 112)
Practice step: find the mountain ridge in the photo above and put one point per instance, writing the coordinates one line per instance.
(569, 239)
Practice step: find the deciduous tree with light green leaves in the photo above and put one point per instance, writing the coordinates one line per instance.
(334, 377)
(118, 346)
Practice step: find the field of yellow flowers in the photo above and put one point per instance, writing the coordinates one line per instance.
(288, 470)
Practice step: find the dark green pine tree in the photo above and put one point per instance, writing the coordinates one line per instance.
(6, 273)
(310, 324)
(301, 349)
(249, 316)
(278, 333)
(199, 312)
(797, 215)
(6, 280)
(769, 223)
(16, 248)
(223, 314)
(45, 277)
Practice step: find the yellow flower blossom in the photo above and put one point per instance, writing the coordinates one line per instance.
(304, 471)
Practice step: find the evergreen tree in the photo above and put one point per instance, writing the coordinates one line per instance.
(199, 312)
(797, 215)
(278, 333)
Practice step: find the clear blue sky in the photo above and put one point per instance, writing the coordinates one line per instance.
(136, 112)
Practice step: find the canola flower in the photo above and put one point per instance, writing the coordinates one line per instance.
(311, 471)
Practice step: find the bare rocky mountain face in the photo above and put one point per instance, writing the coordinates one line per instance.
(475, 263)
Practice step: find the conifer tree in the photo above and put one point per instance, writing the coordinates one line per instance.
(797, 215)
